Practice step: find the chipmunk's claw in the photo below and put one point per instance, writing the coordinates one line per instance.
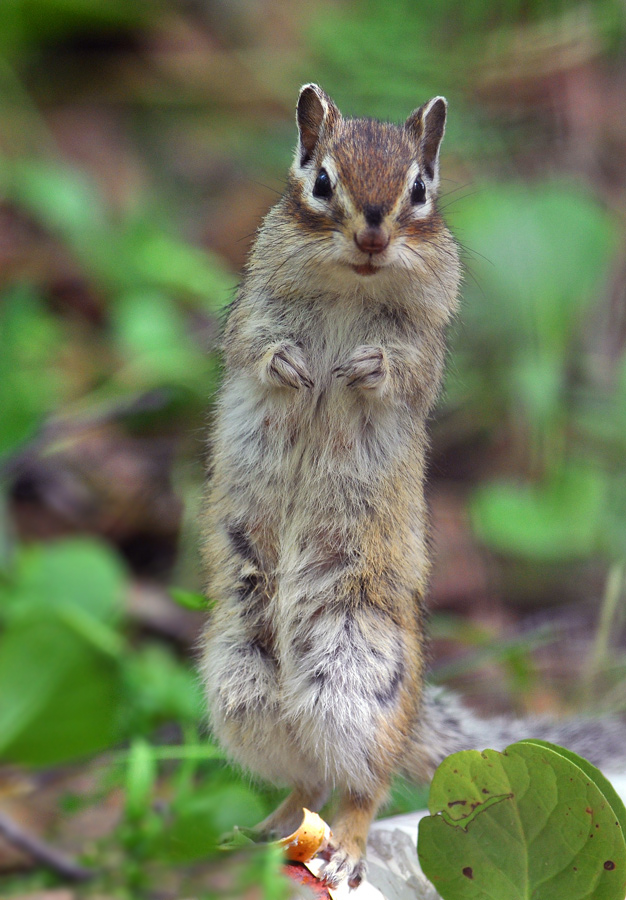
(342, 865)
(366, 368)
(286, 367)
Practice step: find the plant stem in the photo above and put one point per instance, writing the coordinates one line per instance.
(610, 606)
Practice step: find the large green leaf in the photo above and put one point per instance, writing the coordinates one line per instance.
(59, 699)
(60, 655)
(616, 802)
(73, 574)
(527, 824)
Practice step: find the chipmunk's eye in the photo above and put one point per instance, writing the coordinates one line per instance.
(418, 191)
(322, 187)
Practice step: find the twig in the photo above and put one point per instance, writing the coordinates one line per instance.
(42, 853)
(608, 612)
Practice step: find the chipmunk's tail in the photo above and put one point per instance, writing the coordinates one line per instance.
(447, 726)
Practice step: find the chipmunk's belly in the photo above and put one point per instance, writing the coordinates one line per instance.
(308, 465)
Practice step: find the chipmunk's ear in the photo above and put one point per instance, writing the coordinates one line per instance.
(315, 113)
(427, 125)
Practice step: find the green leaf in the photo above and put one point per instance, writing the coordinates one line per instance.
(152, 335)
(238, 839)
(617, 804)
(77, 574)
(554, 521)
(170, 264)
(546, 247)
(203, 818)
(537, 255)
(190, 599)
(58, 699)
(539, 382)
(60, 673)
(104, 639)
(527, 824)
(140, 779)
(135, 255)
(62, 199)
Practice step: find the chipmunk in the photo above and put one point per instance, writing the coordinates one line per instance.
(315, 521)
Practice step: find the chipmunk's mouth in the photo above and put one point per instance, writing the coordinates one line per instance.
(366, 269)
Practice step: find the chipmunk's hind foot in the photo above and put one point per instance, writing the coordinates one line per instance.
(343, 862)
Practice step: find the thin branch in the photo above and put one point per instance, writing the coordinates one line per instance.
(41, 853)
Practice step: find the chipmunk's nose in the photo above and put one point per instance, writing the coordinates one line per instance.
(372, 239)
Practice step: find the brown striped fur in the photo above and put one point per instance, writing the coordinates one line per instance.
(315, 518)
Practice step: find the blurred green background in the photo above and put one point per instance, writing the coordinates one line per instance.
(139, 145)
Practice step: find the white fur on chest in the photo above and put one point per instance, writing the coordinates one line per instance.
(331, 428)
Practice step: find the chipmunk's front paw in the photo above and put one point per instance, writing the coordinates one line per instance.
(366, 368)
(284, 365)
(343, 863)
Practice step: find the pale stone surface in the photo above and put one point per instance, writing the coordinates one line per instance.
(392, 859)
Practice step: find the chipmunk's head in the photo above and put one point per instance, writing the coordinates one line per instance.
(365, 190)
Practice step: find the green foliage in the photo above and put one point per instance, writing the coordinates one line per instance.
(152, 337)
(264, 872)
(547, 249)
(29, 344)
(159, 689)
(60, 670)
(26, 24)
(432, 45)
(68, 686)
(202, 817)
(141, 778)
(405, 798)
(189, 599)
(77, 674)
(202, 805)
(159, 288)
(559, 520)
(134, 254)
(544, 251)
(534, 822)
